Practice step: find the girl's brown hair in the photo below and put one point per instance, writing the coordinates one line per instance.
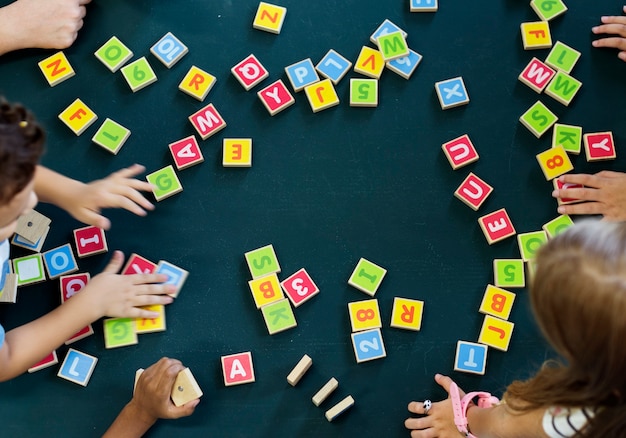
(579, 300)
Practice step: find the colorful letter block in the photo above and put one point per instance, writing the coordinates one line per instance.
(119, 332)
(563, 88)
(368, 345)
(46, 362)
(151, 325)
(56, 68)
(554, 162)
(560, 185)
(299, 287)
(548, 9)
(111, 136)
(496, 226)
(529, 244)
(185, 388)
(137, 264)
(364, 315)
(423, 6)
(568, 136)
(509, 273)
(538, 119)
(249, 72)
(406, 65)
(392, 46)
(536, 35)
(473, 191)
(470, 358)
(113, 54)
(165, 183)
(599, 146)
(90, 241)
(496, 333)
(460, 151)
(407, 314)
(139, 74)
(29, 269)
(321, 95)
(452, 93)
(370, 63)
(279, 316)
(72, 284)
(333, 66)
(237, 152)
(276, 97)
(302, 74)
(186, 152)
(207, 121)
(562, 57)
(262, 261)
(20, 241)
(497, 302)
(237, 369)
(197, 83)
(386, 27)
(60, 261)
(169, 50)
(269, 18)
(77, 367)
(266, 290)
(558, 225)
(536, 75)
(363, 92)
(367, 277)
(78, 117)
(176, 276)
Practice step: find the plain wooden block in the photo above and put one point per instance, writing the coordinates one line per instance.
(185, 388)
(138, 374)
(32, 226)
(299, 370)
(339, 408)
(325, 391)
(8, 294)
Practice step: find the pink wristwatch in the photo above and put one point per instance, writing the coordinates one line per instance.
(460, 405)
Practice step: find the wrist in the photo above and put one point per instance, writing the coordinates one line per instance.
(141, 416)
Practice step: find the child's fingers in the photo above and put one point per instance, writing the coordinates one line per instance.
(582, 208)
(138, 279)
(152, 300)
(115, 264)
(443, 381)
(613, 43)
(94, 218)
(130, 172)
(613, 19)
(622, 56)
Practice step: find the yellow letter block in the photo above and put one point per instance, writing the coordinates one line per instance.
(78, 117)
(56, 68)
(197, 83)
(151, 325)
(364, 315)
(266, 290)
(536, 35)
(496, 333)
(269, 18)
(407, 314)
(497, 302)
(370, 63)
(321, 95)
(554, 162)
(237, 152)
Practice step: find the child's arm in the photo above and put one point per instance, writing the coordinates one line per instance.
(495, 422)
(46, 24)
(614, 25)
(85, 201)
(107, 294)
(151, 401)
(604, 193)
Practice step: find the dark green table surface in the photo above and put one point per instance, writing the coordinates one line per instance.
(325, 189)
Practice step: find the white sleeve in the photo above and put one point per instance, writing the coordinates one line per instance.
(561, 422)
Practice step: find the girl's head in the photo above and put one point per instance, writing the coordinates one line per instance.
(21, 146)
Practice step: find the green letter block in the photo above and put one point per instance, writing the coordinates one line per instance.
(139, 74)
(113, 54)
(363, 92)
(119, 332)
(111, 136)
(563, 88)
(367, 277)
(529, 243)
(548, 9)
(568, 136)
(279, 316)
(165, 183)
(509, 273)
(262, 261)
(558, 225)
(393, 45)
(538, 119)
(562, 57)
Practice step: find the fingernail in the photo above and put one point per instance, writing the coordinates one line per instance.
(594, 43)
(622, 56)
(561, 210)
(555, 193)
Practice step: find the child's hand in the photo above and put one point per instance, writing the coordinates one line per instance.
(613, 25)
(439, 422)
(121, 296)
(119, 190)
(604, 193)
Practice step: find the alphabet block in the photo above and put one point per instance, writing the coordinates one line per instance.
(207, 121)
(529, 244)
(406, 65)
(563, 88)
(367, 277)
(321, 95)
(333, 66)
(368, 345)
(568, 136)
(548, 9)
(299, 370)
(29, 269)
(60, 261)
(197, 83)
(276, 97)
(339, 408)
(176, 276)
(562, 57)
(325, 391)
(599, 146)
(18, 240)
(452, 93)
(114, 54)
(238, 369)
(90, 241)
(262, 261)
(249, 72)
(423, 6)
(137, 264)
(496, 333)
(558, 225)
(266, 290)
(301, 74)
(460, 151)
(56, 68)
(536, 75)
(554, 162)
(186, 152)
(169, 50)
(386, 27)
(139, 74)
(119, 332)
(536, 35)
(496, 226)
(269, 18)
(237, 152)
(407, 314)
(151, 325)
(46, 362)
(538, 119)
(364, 315)
(8, 293)
(363, 92)
(470, 358)
(497, 302)
(509, 273)
(370, 63)
(392, 46)
(78, 117)
(32, 225)
(111, 136)
(77, 367)
(278, 316)
(473, 191)
(560, 185)
(185, 388)
(72, 284)
(165, 183)
(299, 287)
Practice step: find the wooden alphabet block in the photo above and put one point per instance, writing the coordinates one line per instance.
(599, 146)
(367, 277)
(529, 244)
(558, 225)
(197, 83)
(48, 361)
(299, 370)
(8, 293)
(185, 388)
(207, 121)
(301, 74)
(269, 18)
(111, 136)
(497, 302)
(363, 92)
(496, 333)
(81, 334)
(407, 314)
(139, 74)
(554, 162)
(325, 391)
(548, 9)
(32, 225)
(392, 46)
(186, 152)
(18, 240)
(299, 287)
(29, 269)
(368, 345)
(169, 50)
(262, 261)
(563, 88)
(473, 191)
(151, 325)
(562, 57)
(71, 284)
(460, 151)
(176, 276)
(364, 315)
(560, 185)
(538, 119)
(165, 183)
(568, 136)
(470, 358)
(423, 6)
(333, 66)
(137, 264)
(238, 369)
(249, 72)
(536, 35)
(452, 93)
(119, 332)
(406, 65)
(370, 63)
(265, 290)
(90, 241)
(114, 54)
(237, 152)
(276, 97)
(60, 261)
(77, 367)
(509, 273)
(278, 316)
(496, 226)
(56, 68)
(536, 75)
(321, 95)
(78, 117)
(386, 27)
